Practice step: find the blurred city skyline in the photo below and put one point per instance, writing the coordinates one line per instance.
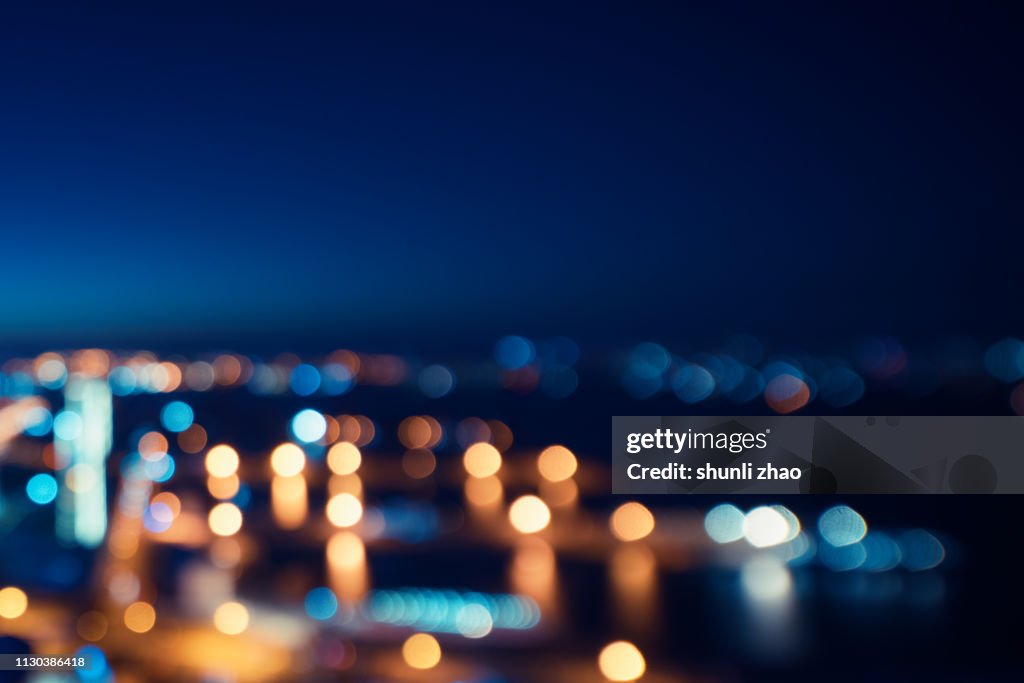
(313, 318)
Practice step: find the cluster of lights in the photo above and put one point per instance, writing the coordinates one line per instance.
(473, 615)
(843, 541)
(547, 366)
(741, 376)
(738, 371)
(143, 372)
(741, 373)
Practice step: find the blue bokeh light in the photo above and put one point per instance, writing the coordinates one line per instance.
(122, 381)
(693, 383)
(1004, 360)
(841, 387)
(305, 379)
(177, 416)
(514, 352)
(337, 379)
(436, 381)
(842, 558)
(883, 553)
(321, 603)
(41, 489)
(724, 523)
(67, 426)
(842, 526)
(921, 550)
(649, 360)
(309, 425)
(98, 669)
(749, 387)
(159, 470)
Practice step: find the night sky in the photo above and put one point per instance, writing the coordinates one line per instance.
(421, 173)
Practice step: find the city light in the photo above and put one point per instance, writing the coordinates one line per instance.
(482, 460)
(287, 460)
(621, 661)
(344, 510)
(765, 526)
(231, 618)
(556, 463)
(344, 458)
(222, 461)
(13, 602)
(139, 617)
(83, 437)
(631, 522)
(529, 514)
(225, 519)
(421, 651)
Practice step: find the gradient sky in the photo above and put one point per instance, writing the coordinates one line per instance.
(195, 173)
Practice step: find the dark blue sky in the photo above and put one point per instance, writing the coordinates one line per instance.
(409, 171)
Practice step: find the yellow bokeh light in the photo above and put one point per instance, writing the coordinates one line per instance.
(289, 501)
(13, 602)
(287, 460)
(223, 488)
(139, 617)
(344, 458)
(231, 618)
(556, 463)
(631, 522)
(482, 460)
(621, 661)
(421, 651)
(345, 550)
(225, 519)
(222, 461)
(529, 514)
(344, 510)
(484, 492)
